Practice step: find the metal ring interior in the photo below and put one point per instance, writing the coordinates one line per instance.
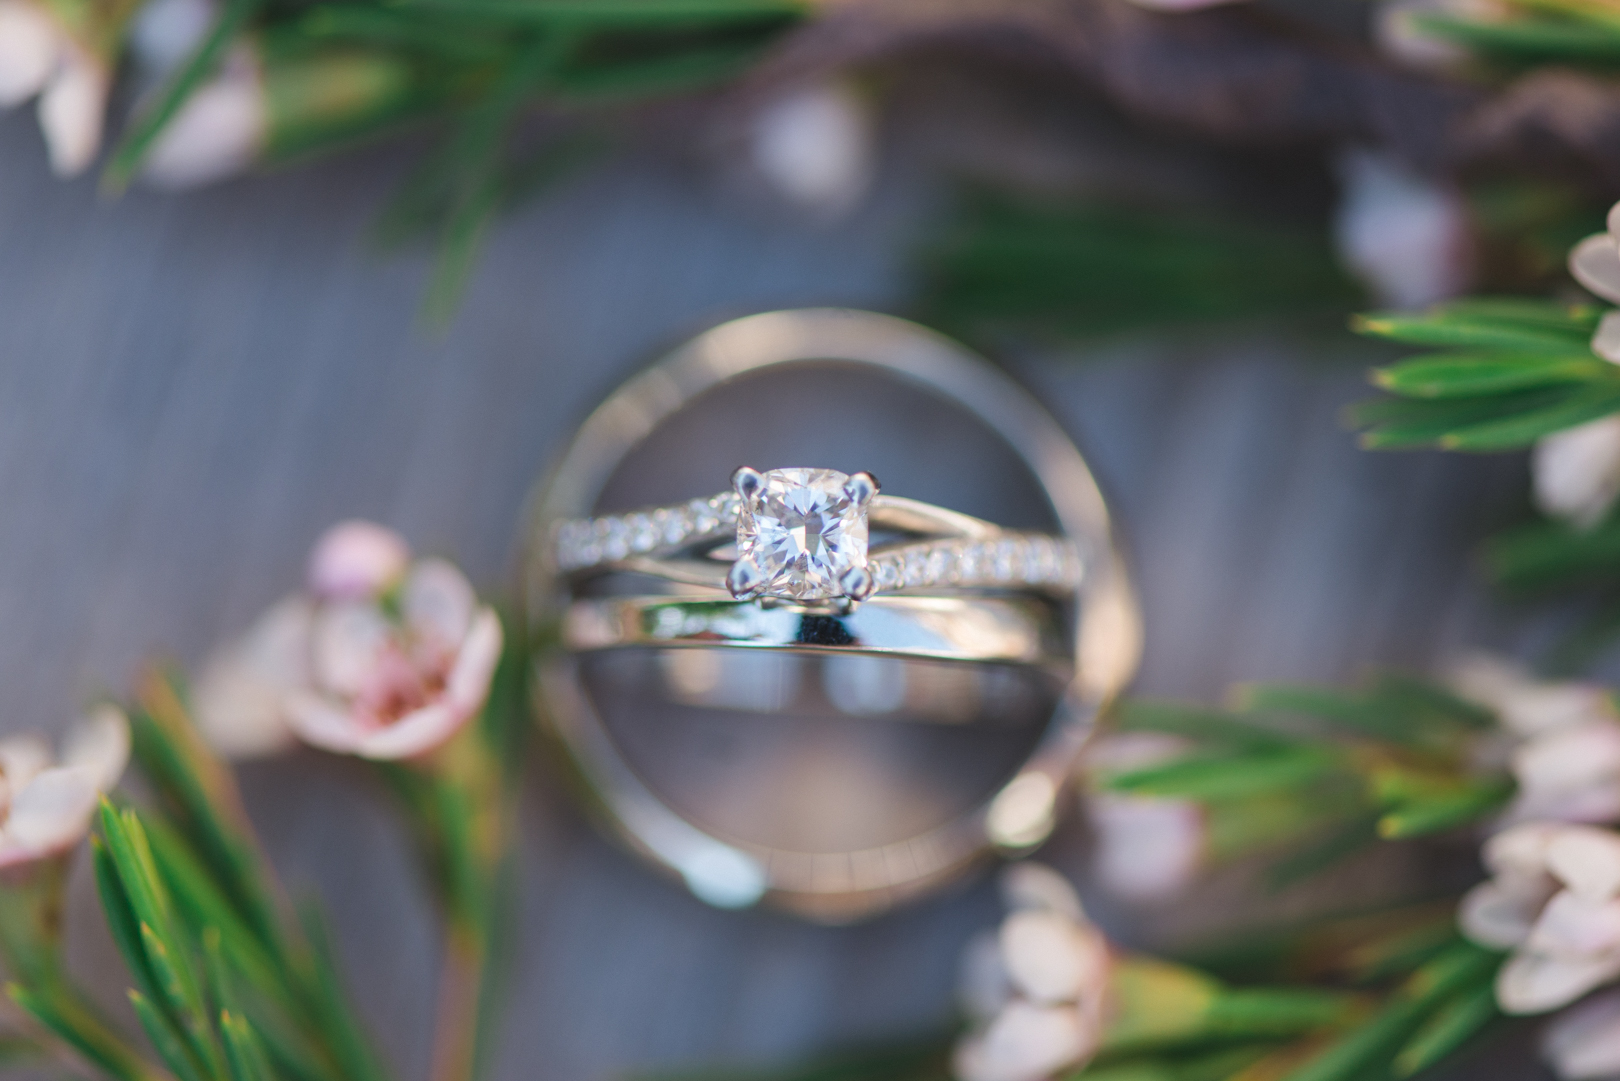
(1106, 630)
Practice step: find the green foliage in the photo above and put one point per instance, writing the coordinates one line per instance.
(1518, 370)
(1094, 268)
(1316, 772)
(335, 73)
(1571, 32)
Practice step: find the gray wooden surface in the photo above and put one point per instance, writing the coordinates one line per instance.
(191, 388)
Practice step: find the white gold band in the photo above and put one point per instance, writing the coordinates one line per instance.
(965, 553)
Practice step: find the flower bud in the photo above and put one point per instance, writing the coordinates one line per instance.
(1408, 238)
(816, 147)
(357, 560)
(1576, 472)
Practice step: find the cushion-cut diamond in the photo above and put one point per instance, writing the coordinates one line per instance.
(803, 531)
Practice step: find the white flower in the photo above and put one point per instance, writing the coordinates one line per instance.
(1583, 1042)
(386, 659)
(1595, 263)
(1145, 847)
(1036, 987)
(1576, 472)
(1554, 899)
(46, 809)
(816, 147)
(1566, 762)
(220, 131)
(39, 57)
(1408, 238)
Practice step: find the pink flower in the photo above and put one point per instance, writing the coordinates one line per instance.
(1036, 988)
(1575, 473)
(45, 809)
(387, 659)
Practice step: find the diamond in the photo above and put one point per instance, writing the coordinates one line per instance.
(803, 532)
(643, 534)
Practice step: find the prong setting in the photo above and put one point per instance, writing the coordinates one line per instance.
(745, 580)
(857, 583)
(861, 487)
(747, 482)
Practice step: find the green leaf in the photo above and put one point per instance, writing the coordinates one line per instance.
(1193, 722)
(166, 1039)
(1343, 709)
(1481, 327)
(242, 1049)
(1506, 433)
(1210, 777)
(1451, 1027)
(1552, 553)
(1338, 844)
(1529, 40)
(233, 18)
(1461, 375)
(1372, 1046)
(1419, 817)
(619, 14)
(57, 1011)
(344, 1032)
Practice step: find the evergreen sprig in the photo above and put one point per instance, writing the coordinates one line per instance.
(1318, 773)
(1511, 371)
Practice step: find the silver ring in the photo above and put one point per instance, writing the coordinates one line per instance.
(1099, 620)
(830, 564)
(993, 629)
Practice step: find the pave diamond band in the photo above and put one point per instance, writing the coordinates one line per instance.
(971, 554)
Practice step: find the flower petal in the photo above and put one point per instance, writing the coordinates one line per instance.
(320, 722)
(49, 814)
(1535, 983)
(1146, 848)
(21, 758)
(1030, 885)
(100, 744)
(357, 560)
(1573, 928)
(467, 686)
(1521, 852)
(1595, 263)
(438, 602)
(1587, 860)
(29, 46)
(414, 734)
(1568, 759)
(1052, 959)
(1025, 1043)
(1606, 342)
(815, 146)
(72, 108)
(1583, 1042)
(350, 642)
(1576, 472)
(1405, 235)
(1527, 706)
(1500, 918)
(239, 698)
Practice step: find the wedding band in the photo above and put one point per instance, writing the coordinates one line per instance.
(573, 570)
(941, 628)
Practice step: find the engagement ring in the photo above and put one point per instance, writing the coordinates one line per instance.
(803, 536)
